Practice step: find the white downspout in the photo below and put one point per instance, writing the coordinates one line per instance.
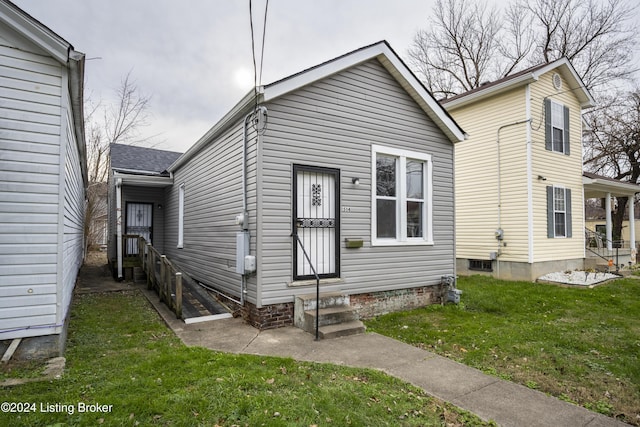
(499, 231)
(632, 223)
(529, 176)
(119, 225)
(607, 208)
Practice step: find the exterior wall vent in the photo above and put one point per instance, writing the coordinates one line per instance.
(557, 81)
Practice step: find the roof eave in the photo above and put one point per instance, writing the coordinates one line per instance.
(595, 185)
(143, 180)
(584, 97)
(491, 91)
(390, 60)
(38, 33)
(239, 110)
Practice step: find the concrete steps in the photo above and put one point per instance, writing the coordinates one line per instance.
(336, 318)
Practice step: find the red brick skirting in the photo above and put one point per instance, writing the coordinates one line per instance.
(268, 317)
(377, 303)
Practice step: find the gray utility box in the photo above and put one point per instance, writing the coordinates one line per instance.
(242, 250)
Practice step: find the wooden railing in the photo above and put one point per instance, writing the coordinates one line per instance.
(162, 276)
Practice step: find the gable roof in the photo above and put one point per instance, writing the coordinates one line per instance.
(17, 20)
(141, 160)
(562, 66)
(381, 51)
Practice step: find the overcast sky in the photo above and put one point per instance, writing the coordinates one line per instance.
(193, 57)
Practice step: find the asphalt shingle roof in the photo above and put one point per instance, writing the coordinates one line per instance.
(141, 160)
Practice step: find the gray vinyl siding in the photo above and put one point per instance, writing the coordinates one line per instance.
(30, 186)
(333, 123)
(213, 197)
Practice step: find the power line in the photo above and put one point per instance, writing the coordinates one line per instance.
(264, 32)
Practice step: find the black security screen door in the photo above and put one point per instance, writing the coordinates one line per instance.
(139, 217)
(316, 221)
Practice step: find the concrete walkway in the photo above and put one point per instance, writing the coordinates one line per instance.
(490, 398)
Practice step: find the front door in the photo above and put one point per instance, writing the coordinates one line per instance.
(139, 217)
(316, 221)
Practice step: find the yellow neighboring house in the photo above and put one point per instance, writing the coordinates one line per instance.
(518, 176)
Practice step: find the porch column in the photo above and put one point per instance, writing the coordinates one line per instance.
(607, 208)
(119, 226)
(632, 223)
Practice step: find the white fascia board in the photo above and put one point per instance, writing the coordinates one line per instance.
(228, 119)
(493, 90)
(569, 73)
(391, 62)
(296, 81)
(143, 180)
(36, 32)
(428, 103)
(606, 186)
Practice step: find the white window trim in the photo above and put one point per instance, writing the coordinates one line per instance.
(564, 195)
(401, 205)
(181, 216)
(552, 123)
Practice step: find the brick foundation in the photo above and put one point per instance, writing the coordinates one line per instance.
(368, 305)
(377, 303)
(268, 317)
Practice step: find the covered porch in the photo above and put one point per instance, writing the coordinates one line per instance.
(139, 211)
(601, 243)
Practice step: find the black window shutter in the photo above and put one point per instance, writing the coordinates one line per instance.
(550, 225)
(567, 207)
(547, 125)
(566, 131)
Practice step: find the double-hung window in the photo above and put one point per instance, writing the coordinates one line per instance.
(558, 212)
(557, 127)
(401, 197)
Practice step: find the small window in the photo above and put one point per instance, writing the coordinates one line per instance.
(181, 216)
(558, 212)
(557, 127)
(480, 265)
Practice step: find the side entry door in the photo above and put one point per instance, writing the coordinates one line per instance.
(139, 217)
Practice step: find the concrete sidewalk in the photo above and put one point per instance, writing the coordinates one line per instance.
(490, 398)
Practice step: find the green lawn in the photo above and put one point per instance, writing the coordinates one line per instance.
(581, 345)
(121, 354)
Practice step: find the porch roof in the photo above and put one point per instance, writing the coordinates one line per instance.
(134, 160)
(597, 186)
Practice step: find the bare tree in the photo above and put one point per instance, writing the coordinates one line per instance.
(597, 36)
(613, 147)
(108, 124)
(468, 43)
(455, 54)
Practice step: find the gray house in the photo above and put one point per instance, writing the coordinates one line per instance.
(137, 179)
(345, 169)
(42, 181)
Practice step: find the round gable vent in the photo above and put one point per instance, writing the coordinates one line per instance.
(557, 81)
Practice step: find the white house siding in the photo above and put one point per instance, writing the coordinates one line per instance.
(558, 169)
(30, 134)
(73, 212)
(477, 178)
(333, 123)
(212, 199)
